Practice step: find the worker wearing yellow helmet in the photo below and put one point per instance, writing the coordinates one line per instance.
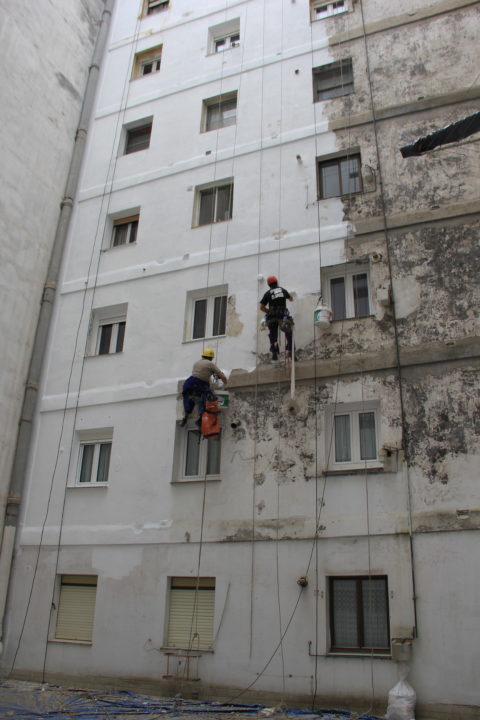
(197, 386)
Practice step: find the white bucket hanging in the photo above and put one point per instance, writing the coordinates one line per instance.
(322, 315)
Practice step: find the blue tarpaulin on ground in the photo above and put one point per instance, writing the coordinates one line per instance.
(32, 701)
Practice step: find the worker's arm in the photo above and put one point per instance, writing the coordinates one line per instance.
(263, 308)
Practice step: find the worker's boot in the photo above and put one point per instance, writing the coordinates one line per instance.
(274, 350)
(184, 420)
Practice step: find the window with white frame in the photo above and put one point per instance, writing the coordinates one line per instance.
(213, 202)
(339, 175)
(359, 617)
(332, 80)
(151, 7)
(347, 290)
(320, 9)
(76, 608)
(147, 62)
(206, 313)
(95, 449)
(108, 329)
(219, 111)
(124, 231)
(352, 435)
(225, 36)
(191, 609)
(195, 457)
(137, 137)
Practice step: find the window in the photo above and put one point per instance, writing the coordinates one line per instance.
(138, 137)
(125, 231)
(108, 330)
(191, 613)
(147, 62)
(333, 80)
(214, 202)
(224, 36)
(206, 313)
(339, 176)
(228, 42)
(359, 620)
(220, 111)
(94, 458)
(351, 435)
(321, 9)
(347, 290)
(200, 457)
(76, 608)
(154, 6)
(195, 458)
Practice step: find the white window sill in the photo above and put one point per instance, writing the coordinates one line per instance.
(197, 478)
(380, 656)
(216, 222)
(88, 485)
(202, 339)
(70, 642)
(354, 469)
(182, 651)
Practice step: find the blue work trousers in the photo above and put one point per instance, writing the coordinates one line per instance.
(193, 388)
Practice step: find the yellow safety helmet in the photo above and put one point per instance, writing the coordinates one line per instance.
(208, 353)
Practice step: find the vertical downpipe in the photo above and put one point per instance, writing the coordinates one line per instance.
(17, 480)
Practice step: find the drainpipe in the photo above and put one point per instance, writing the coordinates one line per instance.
(17, 479)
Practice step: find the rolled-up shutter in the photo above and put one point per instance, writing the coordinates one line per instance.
(76, 608)
(190, 622)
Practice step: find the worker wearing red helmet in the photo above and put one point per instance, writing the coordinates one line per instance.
(274, 304)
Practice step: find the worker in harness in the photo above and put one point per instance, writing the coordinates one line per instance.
(197, 386)
(274, 304)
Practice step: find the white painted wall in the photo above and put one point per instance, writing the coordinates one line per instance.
(45, 52)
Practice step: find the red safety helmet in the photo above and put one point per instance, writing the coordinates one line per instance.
(271, 279)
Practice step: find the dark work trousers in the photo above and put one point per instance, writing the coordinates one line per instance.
(273, 324)
(191, 387)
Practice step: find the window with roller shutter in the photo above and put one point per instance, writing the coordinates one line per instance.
(76, 608)
(191, 613)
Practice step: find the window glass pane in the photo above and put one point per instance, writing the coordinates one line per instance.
(360, 295)
(147, 68)
(138, 139)
(120, 336)
(213, 456)
(87, 460)
(192, 453)
(213, 117)
(375, 613)
(368, 450)
(235, 40)
(224, 205)
(103, 462)
(350, 172)
(220, 45)
(133, 231)
(199, 318)
(120, 234)
(229, 112)
(105, 339)
(207, 198)
(219, 315)
(344, 600)
(342, 438)
(337, 292)
(330, 180)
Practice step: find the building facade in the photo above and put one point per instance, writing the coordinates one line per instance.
(330, 533)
